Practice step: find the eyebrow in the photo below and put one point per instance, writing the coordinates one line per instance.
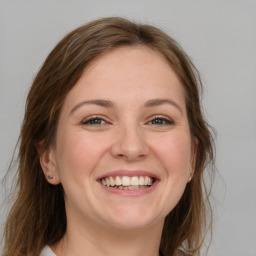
(99, 102)
(110, 104)
(158, 102)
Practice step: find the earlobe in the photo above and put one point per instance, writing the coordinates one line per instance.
(48, 164)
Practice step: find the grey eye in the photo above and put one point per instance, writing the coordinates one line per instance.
(94, 121)
(161, 121)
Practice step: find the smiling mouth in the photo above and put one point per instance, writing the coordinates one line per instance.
(128, 183)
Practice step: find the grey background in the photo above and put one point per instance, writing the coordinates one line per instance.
(221, 39)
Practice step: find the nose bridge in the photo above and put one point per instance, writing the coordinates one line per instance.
(130, 142)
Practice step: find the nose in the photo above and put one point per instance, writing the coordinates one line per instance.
(130, 144)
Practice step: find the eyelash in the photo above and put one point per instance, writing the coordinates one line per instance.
(96, 120)
(93, 121)
(163, 120)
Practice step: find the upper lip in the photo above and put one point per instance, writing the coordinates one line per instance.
(129, 173)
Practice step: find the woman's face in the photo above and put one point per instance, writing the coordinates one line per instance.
(123, 148)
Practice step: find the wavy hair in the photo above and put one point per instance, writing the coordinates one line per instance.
(37, 217)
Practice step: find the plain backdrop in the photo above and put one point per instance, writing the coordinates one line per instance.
(220, 37)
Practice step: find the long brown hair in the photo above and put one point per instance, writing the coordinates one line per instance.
(38, 217)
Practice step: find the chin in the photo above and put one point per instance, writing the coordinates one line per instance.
(134, 219)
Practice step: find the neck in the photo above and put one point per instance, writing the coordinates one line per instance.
(99, 241)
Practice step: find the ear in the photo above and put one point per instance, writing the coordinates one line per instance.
(194, 147)
(48, 163)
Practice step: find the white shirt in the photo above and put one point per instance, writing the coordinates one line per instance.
(47, 252)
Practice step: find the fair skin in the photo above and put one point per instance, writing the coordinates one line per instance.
(123, 122)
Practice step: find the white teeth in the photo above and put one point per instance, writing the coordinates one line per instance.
(148, 181)
(103, 182)
(125, 181)
(132, 187)
(141, 180)
(112, 182)
(118, 181)
(134, 181)
(108, 182)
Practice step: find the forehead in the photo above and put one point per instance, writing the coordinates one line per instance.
(139, 56)
(126, 73)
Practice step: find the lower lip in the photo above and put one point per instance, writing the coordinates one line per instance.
(135, 192)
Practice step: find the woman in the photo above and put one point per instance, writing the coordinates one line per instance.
(112, 148)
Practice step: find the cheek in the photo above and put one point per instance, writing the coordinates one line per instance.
(174, 156)
(78, 154)
(174, 153)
